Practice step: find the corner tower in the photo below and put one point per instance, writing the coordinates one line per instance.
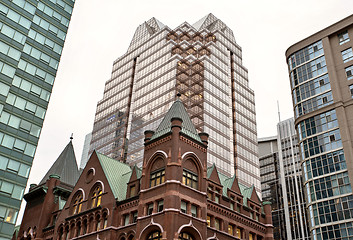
(175, 160)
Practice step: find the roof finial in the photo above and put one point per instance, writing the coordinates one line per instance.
(71, 136)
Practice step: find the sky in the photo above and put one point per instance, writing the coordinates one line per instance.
(100, 31)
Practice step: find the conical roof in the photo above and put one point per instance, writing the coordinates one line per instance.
(65, 166)
(177, 110)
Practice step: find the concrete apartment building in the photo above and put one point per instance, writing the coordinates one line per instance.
(320, 71)
(32, 36)
(203, 63)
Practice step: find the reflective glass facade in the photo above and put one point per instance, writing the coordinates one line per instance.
(203, 63)
(282, 182)
(32, 35)
(319, 71)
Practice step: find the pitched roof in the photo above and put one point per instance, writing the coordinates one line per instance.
(227, 182)
(177, 110)
(65, 166)
(117, 174)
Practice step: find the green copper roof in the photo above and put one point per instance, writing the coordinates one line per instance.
(227, 182)
(177, 110)
(117, 173)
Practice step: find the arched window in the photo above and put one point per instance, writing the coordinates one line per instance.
(155, 236)
(84, 227)
(61, 232)
(157, 174)
(185, 236)
(78, 229)
(96, 197)
(131, 237)
(105, 221)
(67, 232)
(77, 205)
(99, 223)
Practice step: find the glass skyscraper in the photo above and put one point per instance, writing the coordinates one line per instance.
(32, 35)
(320, 71)
(282, 182)
(203, 63)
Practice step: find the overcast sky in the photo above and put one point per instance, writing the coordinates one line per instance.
(100, 31)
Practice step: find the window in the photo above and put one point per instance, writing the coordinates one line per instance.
(238, 233)
(160, 206)
(77, 206)
(134, 217)
(232, 206)
(351, 90)
(194, 210)
(157, 177)
(347, 55)
(216, 199)
(208, 221)
(230, 229)
(96, 197)
(155, 236)
(149, 209)
(99, 223)
(126, 219)
(84, 227)
(343, 37)
(251, 236)
(183, 207)
(132, 191)
(185, 236)
(190, 179)
(217, 223)
(349, 72)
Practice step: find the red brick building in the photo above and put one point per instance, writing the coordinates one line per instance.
(174, 196)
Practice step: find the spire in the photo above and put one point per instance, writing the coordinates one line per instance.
(177, 110)
(65, 166)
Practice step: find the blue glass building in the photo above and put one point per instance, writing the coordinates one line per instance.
(32, 36)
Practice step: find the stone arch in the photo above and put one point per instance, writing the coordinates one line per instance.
(151, 227)
(122, 236)
(131, 235)
(190, 229)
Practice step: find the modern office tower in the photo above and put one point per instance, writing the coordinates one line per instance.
(203, 63)
(32, 35)
(320, 71)
(270, 183)
(85, 150)
(282, 184)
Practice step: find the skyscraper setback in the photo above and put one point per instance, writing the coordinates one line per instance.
(203, 63)
(32, 35)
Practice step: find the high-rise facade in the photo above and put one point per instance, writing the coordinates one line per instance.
(282, 183)
(320, 71)
(32, 35)
(203, 63)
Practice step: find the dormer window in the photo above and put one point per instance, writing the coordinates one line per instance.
(96, 197)
(157, 177)
(190, 179)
